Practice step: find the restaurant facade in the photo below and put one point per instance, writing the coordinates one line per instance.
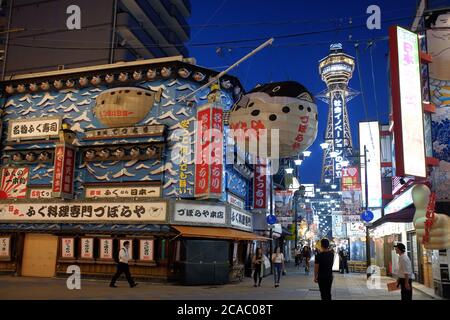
(91, 157)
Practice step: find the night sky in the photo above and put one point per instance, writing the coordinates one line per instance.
(296, 57)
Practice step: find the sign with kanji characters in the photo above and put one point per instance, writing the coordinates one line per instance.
(40, 193)
(146, 250)
(14, 183)
(209, 152)
(5, 248)
(338, 102)
(235, 201)
(350, 179)
(86, 212)
(123, 192)
(31, 129)
(260, 187)
(106, 249)
(67, 248)
(125, 132)
(351, 218)
(407, 103)
(241, 220)
(195, 213)
(63, 172)
(87, 248)
(130, 248)
(185, 154)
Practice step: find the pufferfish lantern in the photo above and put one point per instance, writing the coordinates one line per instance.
(287, 106)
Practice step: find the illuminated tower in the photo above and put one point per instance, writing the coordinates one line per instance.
(336, 69)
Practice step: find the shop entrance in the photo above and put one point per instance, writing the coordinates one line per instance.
(39, 255)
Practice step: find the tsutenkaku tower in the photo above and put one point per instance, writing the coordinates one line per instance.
(336, 69)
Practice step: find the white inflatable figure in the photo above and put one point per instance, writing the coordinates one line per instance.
(439, 235)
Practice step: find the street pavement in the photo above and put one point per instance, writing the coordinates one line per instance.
(295, 285)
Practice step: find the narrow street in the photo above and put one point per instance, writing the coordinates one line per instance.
(294, 286)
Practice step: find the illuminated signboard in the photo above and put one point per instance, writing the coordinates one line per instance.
(309, 190)
(369, 136)
(407, 103)
(338, 101)
(399, 203)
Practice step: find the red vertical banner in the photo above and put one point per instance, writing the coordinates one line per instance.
(350, 179)
(201, 155)
(260, 187)
(63, 172)
(216, 152)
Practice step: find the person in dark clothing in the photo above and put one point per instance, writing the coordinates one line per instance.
(343, 265)
(307, 256)
(323, 269)
(258, 266)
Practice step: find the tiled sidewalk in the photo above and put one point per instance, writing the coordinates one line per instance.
(294, 286)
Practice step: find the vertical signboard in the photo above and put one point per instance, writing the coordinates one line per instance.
(209, 152)
(146, 250)
(407, 107)
(106, 249)
(338, 101)
(201, 156)
(63, 171)
(87, 248)
(350, 179)
(216, 152)
(5, 248)
(14, 183)
(260, 187)
(67, 248)
(369, 136)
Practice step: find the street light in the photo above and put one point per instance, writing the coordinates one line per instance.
(345, 163)
(324, 145)
(306, 153)
(298, 162)
(333, 154)
(333, 186)
(289, 170)
(327, 180)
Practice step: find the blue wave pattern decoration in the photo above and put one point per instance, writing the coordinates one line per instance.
(76, 107)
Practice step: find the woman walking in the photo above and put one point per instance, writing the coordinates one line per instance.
(278, 263)
(258, 266)
(307, 257)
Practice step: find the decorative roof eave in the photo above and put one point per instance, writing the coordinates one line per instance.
(112, 74)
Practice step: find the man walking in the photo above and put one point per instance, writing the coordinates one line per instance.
(122, 266)
(323, 269)
(405, 274)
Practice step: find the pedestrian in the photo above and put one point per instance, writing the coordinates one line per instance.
(258, 264)
(278, 263)
(323, 269)
(405, 274)
(307, 256)
(297, 256)
(122, 266)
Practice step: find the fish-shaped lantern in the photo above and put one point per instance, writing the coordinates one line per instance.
(287, 106)
(90, 154)
(30, 156)
(119, 153)
(135, 152)
(44, 156)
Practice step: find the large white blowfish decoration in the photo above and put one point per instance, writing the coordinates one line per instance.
(286, 106)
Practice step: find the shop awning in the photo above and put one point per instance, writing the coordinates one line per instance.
(403, 216)
(217, 233)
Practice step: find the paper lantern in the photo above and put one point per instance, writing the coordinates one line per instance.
(124, 106)
(286, 106)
